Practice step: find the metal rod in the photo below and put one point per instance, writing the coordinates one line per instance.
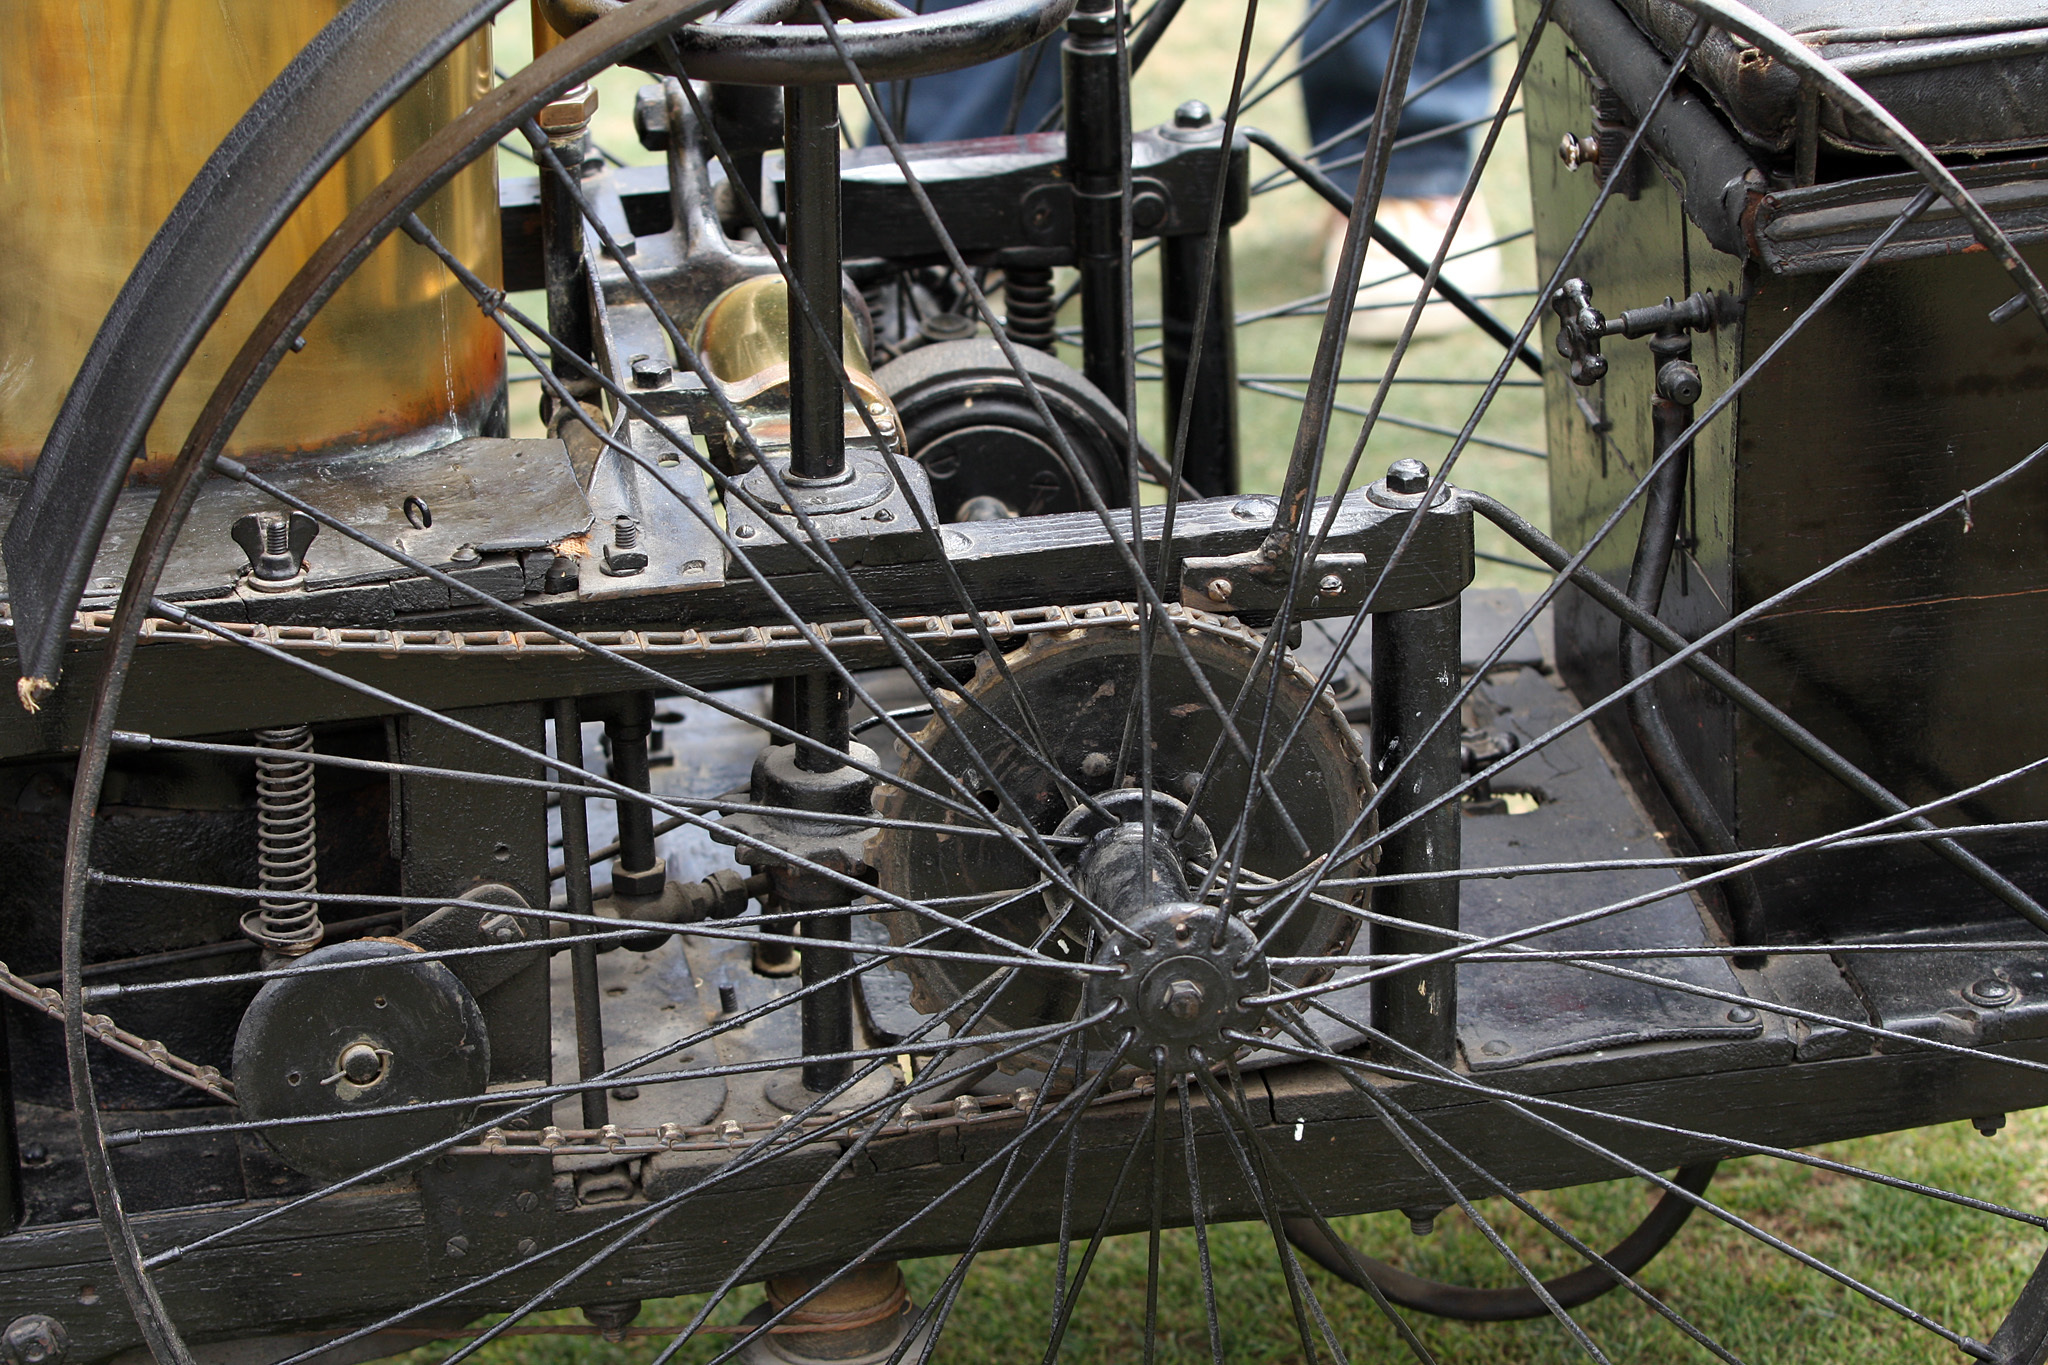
(1098, 153)
(811, 146)
(639, 872)
(1414, 678)
(563, 269)
(1210, 461)
(587, 997)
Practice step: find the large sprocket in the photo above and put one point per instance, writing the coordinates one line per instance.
(1079, 689)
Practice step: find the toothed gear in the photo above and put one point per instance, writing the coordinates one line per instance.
(1082, 691)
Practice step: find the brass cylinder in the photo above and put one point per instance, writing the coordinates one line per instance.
(107, 111)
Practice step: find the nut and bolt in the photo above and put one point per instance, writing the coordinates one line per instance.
(651, 372)
(1576, 151)
(623, 557)
(567, 115)
(1407, 476)
(1183, 1000)
(34, 1339)
(1218, 590)
(276, 544)
(1193, 114)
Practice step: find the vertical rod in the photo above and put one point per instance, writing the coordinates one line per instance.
(1098, 110)
(827, 1012)
(820, 711)
(1305, 463)
(563, 269)
(636, 871)
(1210, 464)
(1414, 681)
(811, 174)
(582, 956)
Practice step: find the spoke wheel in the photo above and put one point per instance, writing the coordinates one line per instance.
(1108, 923)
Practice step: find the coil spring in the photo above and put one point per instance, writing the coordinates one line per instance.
(1029, 314)
(286, 921)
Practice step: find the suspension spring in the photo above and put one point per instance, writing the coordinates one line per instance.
(287, 920)
(1029, 313)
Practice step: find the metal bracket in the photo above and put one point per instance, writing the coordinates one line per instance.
(1251, 586)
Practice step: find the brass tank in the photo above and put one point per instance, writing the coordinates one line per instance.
(108, 109)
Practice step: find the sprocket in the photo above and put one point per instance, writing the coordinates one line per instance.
(1079, 688)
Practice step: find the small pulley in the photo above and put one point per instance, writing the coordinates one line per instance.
(383, 1029)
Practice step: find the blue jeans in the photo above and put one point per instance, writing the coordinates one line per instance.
(975, 101)
(1342, 87)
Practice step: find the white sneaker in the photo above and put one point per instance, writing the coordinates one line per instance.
(1420, 224)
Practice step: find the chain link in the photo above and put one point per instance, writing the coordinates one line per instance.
(105, 1031)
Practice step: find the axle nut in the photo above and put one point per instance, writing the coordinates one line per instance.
(34, 1339)
(1184, 1000)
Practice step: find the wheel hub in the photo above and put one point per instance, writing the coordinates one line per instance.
(1183, 984)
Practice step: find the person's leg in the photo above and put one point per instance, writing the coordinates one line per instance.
(1424, 178)
(1341, 87)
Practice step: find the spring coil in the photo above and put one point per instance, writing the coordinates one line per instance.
(286, 921)
(1029, 313)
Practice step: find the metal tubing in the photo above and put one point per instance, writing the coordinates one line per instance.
(1098, 110)
(1414, 681)
(1210, 462)
(1656, 545)
(811, 176)
(627, 729)
(820, 711)
(564, 270)
(582, 956)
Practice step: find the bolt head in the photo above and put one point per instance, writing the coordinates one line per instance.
(1193, 114)
(650, 372)
(1991, 991)
(569, 113)
(34, 1339)
(1331, 585)
(1407, 476)
(1183, 1000)
(1742, 1014)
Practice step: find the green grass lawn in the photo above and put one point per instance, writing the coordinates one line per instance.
(1960, 1267)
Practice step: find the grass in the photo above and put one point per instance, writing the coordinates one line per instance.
(1961, 1267)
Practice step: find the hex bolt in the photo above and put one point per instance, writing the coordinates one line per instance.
(34, 1339)
(1989, 1124)
(1184, 1000)
(1193, 114)
(651, 372)
(1331, 585)
(1407, 476)
(623, 557)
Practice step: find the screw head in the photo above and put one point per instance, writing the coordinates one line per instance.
(1331, 585)
(526, 1201)
(1742, 1014)
(1407, 476)
(1184, 1000)
(1992, 991)
(526, 1246)
(34, 1339)
(744, 533)
(458, 1247)
(1218, 590)
(1193, 114)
